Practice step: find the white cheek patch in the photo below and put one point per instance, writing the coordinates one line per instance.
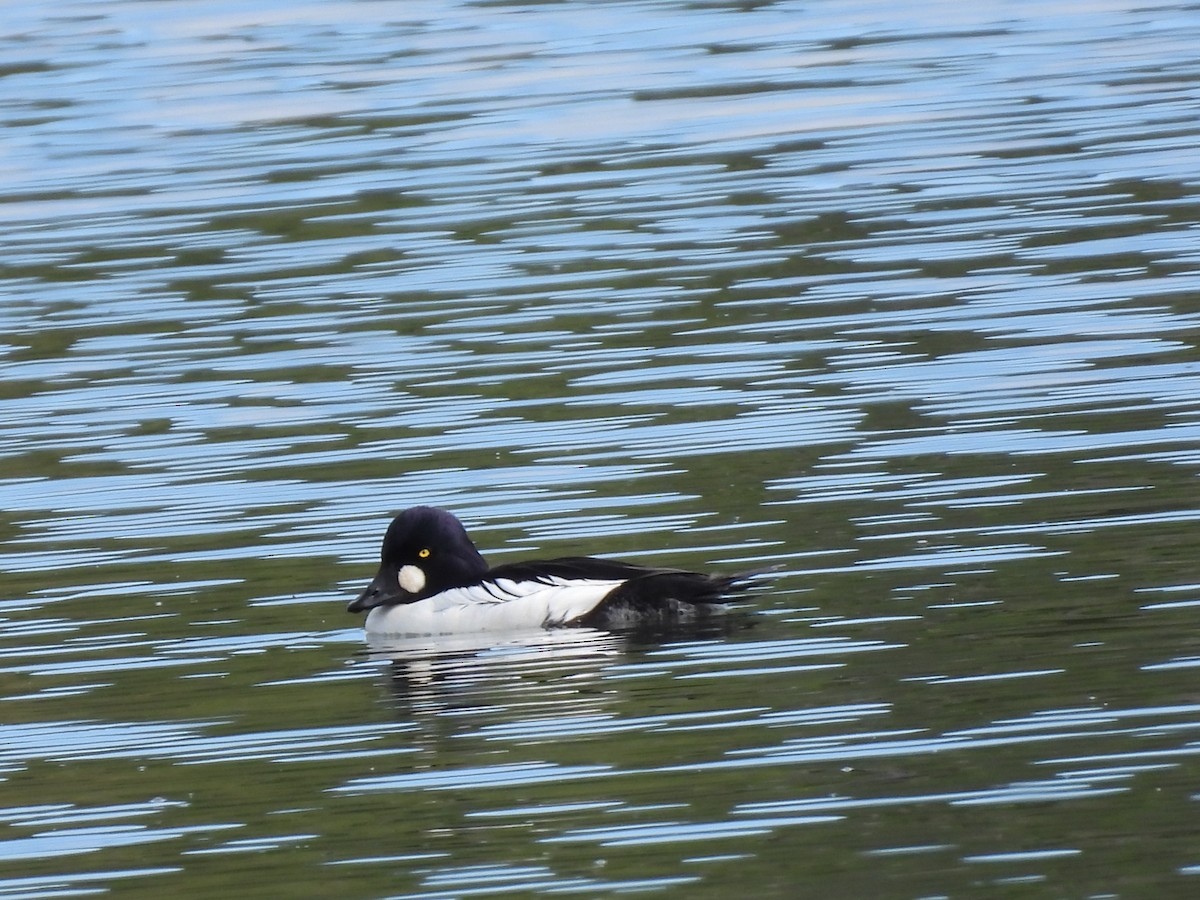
(411, 579)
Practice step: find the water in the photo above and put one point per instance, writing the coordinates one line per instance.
(896, 306)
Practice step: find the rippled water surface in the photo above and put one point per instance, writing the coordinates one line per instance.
(896, 305)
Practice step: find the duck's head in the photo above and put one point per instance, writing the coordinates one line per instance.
(425, 550)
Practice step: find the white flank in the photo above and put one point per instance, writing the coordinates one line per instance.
(493, 606)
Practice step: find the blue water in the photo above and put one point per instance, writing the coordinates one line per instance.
(896, 307)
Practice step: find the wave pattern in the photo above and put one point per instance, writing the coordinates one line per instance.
(896, 311)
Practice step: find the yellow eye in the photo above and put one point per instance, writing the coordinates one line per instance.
(423, 553)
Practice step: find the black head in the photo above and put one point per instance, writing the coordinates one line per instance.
(425, 550)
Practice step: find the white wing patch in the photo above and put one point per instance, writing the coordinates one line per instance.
(501, 605)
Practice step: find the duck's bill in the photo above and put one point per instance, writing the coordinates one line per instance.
(378, 593)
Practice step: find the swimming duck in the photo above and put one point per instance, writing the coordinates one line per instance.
(432, 580)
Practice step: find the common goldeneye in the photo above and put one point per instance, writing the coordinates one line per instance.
(432, 580)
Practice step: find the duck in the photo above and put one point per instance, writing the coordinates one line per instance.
(433, 580)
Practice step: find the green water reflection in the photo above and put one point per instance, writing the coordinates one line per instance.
(895, 310)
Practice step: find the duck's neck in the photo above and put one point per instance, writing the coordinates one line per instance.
(474, 566)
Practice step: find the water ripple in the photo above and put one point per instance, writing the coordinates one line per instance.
(895, 309)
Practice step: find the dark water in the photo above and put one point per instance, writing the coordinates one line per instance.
(899, 305)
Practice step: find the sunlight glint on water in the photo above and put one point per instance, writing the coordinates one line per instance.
(893, 308)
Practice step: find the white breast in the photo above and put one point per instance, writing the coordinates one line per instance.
(501, 605)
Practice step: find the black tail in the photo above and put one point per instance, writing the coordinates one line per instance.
(663, 598)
